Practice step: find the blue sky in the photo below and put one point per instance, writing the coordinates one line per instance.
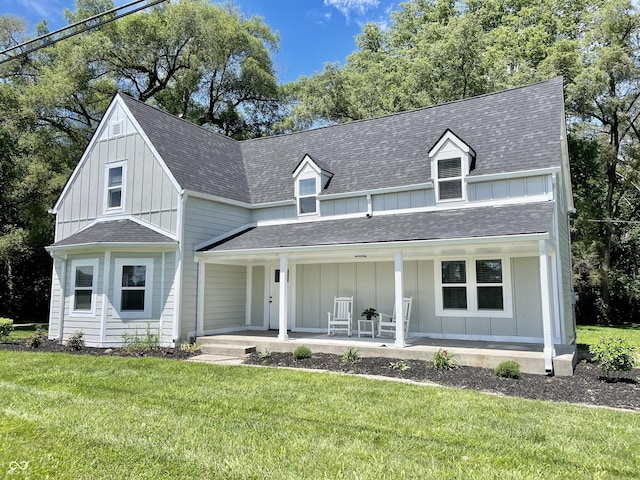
(312, 32)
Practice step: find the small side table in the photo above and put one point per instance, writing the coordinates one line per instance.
(366, 327)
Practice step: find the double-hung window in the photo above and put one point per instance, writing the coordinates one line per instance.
(450, 179)
(133, 287)
(307, 196)
(84, 274)
(114, 187)
(473, 287)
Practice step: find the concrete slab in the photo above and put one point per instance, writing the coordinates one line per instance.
(216, 359)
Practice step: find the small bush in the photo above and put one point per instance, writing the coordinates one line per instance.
(400, 365)
(6, 327)
(302, 352)
(508, 369)
(191, 346)
(613, 356)
(266, 353)
(136, 343)
(444, 360)
(37, 339)
(75, 342)
(351, 355)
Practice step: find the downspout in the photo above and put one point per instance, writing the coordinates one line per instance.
(177, 319)
(369, 206)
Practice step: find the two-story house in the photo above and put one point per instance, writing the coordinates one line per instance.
(463, 207)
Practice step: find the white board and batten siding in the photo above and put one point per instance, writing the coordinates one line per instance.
(371, 285)
(225, 297)
(203, 220)
(512, 188)
(565, 263)
(149, 193)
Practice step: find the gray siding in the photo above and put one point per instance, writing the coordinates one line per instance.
(56, 299)
(203, 220)
(148, 194)
(274, 213)
(342, 206)
(411, 199)
(512, 188)
(257, 296)
(565, 282)
(225, 297)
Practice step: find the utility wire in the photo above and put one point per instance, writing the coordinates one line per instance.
(85, 27)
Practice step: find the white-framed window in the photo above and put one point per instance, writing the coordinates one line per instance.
(114, 190)
(473, 287)
(307, 193)
(450, 179)
(83, 297)
(133, 287)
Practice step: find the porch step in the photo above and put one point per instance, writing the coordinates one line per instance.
(228, 349)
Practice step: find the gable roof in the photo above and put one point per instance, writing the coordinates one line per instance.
(114, 231)
(475, 222)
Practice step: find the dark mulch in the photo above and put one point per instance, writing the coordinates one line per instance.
(53, 346)
(586, 386)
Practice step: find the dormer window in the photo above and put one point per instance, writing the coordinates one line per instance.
(451, 161)
(307, 196)
(115, 177)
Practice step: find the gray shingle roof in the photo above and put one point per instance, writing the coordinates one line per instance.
(435, 225)
(200, 160)
(115, 231)
(513, 130)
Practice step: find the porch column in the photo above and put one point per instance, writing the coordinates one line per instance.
(399, 293)
(546, 298)
(200, 300)
(284, 287)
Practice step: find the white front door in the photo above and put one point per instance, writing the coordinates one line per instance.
(274, 297)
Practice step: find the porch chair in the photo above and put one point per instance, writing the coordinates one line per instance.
(340, 319)
(387, 323)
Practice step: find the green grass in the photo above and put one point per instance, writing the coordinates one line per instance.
(89, 417)
(22, 333)
(590, 334)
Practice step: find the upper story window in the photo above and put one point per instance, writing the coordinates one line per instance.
(114, 187)
(451, 161)
(307, 196)
(84, 287)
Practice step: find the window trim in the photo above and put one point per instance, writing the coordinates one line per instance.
(148, 288)
(471, 285)
(107, 188)
(300, 197)
(92, 262)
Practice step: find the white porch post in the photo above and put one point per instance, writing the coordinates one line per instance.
(200, 299)
(282, 314)
(546, 294)
(399, 293)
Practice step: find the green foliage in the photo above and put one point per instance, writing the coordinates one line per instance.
(613, 356)
(6, 327)
(351, 355)
(302, 352)
(37, 339)
(75, 342)
(369, 312)
(444, 360)
(139, 343)
(400, 365)
(508, 369)
(191, 346)
(265, 353)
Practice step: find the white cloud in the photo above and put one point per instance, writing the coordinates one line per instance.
(347, 7)
(42, 8)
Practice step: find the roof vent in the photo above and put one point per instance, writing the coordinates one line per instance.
(116, 128)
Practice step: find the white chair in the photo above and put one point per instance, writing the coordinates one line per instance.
(340, 319)
(387, 323)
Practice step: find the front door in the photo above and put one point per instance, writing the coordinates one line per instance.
(274, 298)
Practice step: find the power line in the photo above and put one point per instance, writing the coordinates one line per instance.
(85, 28)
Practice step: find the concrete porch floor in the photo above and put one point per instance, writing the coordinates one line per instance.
(467, 353)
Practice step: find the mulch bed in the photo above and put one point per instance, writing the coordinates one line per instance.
(586, 386)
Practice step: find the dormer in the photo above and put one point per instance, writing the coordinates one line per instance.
(451, 162)
(310, 178)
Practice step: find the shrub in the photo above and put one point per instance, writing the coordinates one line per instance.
(6, 327)
(302, 352)
(444, 360)
(191, 346)
(136, 343)
(613, 356)
(508, 369)
(351, 355)
(400, 365)
(37, 339)
(75, 341)
(266, 353)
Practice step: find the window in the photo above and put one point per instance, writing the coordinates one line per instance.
(307, 202)
(133, 287)
(114, 187)
(473, 288)
(450, 179)
(84, 285)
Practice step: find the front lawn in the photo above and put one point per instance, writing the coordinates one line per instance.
(590, 334)
(107, 417)
(22, 333)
